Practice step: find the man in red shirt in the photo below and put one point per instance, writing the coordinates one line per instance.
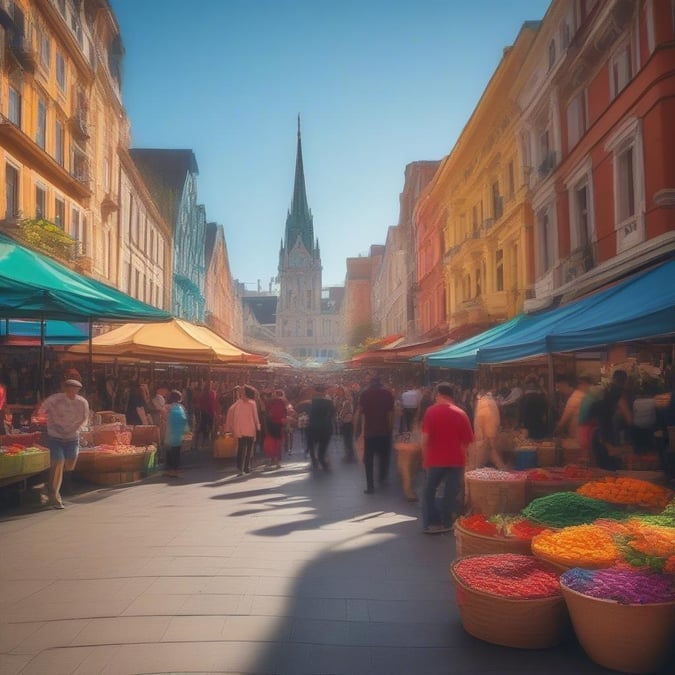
(446, 434)
(374, 419)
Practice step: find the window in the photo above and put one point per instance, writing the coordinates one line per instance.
(59, 152)
(626, 184)
(478, 290)
(14, 106)
(45, 48)
(41, 130)
(497, 206)
(474, 218)
(107, 253)
(76, 229)
(565, 35)
(40, 200)
(551, 54)
(310, 328)
(512, 179)
(60, 212)
(308, 299)
(545, 240)
(499, 265)
(581, 213)
(61, 71)
(621, 70)
(577, 120)
(11, 191)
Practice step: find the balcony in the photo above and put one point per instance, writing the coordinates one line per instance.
(43, 236)
(578, 263)
(78, 125)
(109, 204)
(548, 164)
(24, 52)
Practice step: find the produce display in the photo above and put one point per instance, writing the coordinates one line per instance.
(486, 473)
(577, 546)
(625, 586)
(563, 509)
(628, 491)
(567, 473)
(507, 575)
(19, 460)
(500, 526)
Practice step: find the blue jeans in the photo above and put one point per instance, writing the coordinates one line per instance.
(451, 477)
(60, 450)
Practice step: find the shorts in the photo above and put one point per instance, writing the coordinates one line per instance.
(60, 450)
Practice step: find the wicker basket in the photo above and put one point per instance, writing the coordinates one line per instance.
(627, 638)
(35, 462)
(547, 454)
(524, 624)
(145, 434)
(491, 497)
(472, 543)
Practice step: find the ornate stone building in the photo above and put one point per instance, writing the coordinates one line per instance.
(308, 323)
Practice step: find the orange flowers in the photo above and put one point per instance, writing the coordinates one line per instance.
(629, 491)
(579, 546)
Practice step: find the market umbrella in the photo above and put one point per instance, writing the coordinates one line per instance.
(33, 286)
(176, 341)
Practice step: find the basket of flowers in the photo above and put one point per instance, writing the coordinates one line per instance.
(510, 600)
(623, 619)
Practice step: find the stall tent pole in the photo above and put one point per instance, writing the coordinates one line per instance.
(551, 391)
(42, 358)
(91, 350)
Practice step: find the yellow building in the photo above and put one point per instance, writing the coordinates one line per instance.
(71, 189)
(481, 187)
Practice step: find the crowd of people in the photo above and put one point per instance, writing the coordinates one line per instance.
(442, 429)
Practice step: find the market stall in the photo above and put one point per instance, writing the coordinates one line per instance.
(601, 556)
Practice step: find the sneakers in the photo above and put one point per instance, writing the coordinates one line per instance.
(58, 505)
(436, 529)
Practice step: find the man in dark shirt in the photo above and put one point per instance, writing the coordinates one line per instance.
(374, 419)
(320, 427)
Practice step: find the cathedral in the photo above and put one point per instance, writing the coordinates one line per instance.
(308, 317)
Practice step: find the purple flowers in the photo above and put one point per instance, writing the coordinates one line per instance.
(624, 586)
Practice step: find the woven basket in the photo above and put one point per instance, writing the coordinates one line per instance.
(524, 624)
(627, 638)
(491, 497)
(145, 434)
(547, 454)
(472, 543)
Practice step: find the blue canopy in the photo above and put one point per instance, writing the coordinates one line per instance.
(639, 308)
(56, 332)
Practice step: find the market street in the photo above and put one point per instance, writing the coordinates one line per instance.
(281, 572)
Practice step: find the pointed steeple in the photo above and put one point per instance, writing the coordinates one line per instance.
(299, 221)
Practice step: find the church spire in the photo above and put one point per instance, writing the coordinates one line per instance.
(299, 220)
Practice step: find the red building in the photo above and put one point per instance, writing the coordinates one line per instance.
(598, 104)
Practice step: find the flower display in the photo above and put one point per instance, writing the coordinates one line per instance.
(624, 586)
(508, 575)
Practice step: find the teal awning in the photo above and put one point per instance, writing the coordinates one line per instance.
(56, 332)
(33, 286)
(641, 307)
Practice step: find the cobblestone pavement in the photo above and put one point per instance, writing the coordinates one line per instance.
(285, 572)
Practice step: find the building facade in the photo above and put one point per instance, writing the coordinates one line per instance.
(223, 305)
(358, 297)
(389, 302)
(48, 75)
(487, 231)
(171, 177)
(308, 325)
(596, 106)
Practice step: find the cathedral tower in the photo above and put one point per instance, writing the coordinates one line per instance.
(298, 327)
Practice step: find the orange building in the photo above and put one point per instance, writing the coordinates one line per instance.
(358, 310)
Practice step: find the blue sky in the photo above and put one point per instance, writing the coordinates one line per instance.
(378, 84)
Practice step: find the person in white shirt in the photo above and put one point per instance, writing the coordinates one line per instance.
(66, 414)
(410, 401)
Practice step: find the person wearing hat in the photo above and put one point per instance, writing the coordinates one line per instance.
(66, 412)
